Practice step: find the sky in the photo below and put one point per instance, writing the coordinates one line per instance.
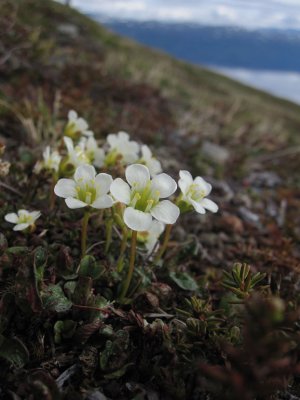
(251, 14)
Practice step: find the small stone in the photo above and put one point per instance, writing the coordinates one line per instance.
(214, 152)
(69, 30)
(232, 224)
(248, 215)
(267, 179)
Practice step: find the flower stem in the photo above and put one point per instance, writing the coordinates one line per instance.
(85, 221)
(109, 226)
(164, 246)
(122, 250)
(131, 265)
(52, 194)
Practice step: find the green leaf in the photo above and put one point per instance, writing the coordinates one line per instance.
(14, 351)
(64, 330)
(183, 280)
(54, 299)
(18, 250)
(90, 267)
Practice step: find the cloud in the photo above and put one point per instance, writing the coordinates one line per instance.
(246, 13)
(282, 84)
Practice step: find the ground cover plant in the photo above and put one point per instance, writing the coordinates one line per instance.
(149, 220)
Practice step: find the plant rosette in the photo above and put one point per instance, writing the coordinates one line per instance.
(142, 197)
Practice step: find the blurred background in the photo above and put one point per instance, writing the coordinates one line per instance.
(256, 42)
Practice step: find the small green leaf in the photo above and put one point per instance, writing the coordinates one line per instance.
(64, 330)
(183, 280)
(90, 267)
(18, 250)
(54, 299)
(14, 351)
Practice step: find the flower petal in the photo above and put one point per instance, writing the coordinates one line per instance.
(88, 133)
(21, 227)
(85, 173)
(166, 212)
(163, 184)
(154, 166)
(72, 115)
(65, 188)
(69, 144)
(104, 201)
(137, 220)
(209, 205)
(99, 157)
(137, 175)
(146, 152)
(35, 215)
(197, 206)
(12, 218)
(205, 186)
(75, 203)
(81, 124)
(104, 181)
(186, 175)
(120, 191)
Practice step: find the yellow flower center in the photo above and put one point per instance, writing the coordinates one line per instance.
(143, 199)
(87, 191)
(195, 192)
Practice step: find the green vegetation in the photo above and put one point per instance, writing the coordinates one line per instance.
(217, 317)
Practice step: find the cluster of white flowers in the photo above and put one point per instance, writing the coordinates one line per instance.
(82, 148)
(143, 198)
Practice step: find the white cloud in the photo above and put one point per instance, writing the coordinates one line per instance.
(248, 13)
(281, 84)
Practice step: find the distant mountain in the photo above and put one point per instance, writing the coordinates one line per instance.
(275, 50)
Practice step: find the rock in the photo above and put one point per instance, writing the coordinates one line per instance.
(267, 179)
(231, 224)
(68, 30)
(215, 153)
(248, 215)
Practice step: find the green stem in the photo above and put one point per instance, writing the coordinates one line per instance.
(131, 265)
(109, 226)
(85, 221)
(122, 250)
(52, 194)
(164, 246)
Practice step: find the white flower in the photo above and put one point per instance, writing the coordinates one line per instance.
(151, 162)
(121, 147)
(23, 219)
(93, 151)
(194, 192)
(142, 197)
(51, 161)
(76, 155)
(150, 237)
(77, 126)
(86, 189)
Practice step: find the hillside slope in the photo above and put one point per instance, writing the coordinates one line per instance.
(182, 329)
(116, 82)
